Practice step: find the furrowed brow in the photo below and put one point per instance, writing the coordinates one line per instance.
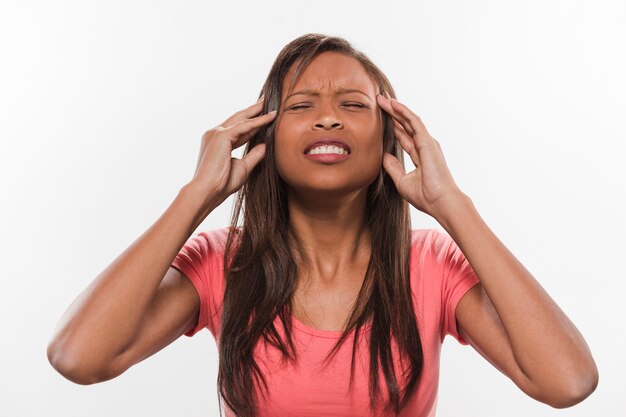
(338, 91)
(350, 90)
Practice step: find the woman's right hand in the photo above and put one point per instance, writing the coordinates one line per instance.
(139, 303)
(217, 173)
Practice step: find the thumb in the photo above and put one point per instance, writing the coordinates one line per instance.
(393, 168)
(241, 168)
(252, 158)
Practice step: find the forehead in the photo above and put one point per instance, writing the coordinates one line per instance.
(331, 70)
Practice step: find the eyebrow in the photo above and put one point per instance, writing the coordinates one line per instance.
(339, 91)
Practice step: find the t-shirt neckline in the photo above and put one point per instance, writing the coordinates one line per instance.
(329, 334)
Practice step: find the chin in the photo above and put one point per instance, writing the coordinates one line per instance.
(329, 181)
(329, 188)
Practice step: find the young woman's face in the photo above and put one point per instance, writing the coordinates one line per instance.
(329, 131)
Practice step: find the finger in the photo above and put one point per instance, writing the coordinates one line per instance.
(393, 168)
(241, 168)
(252, 158)
(415, 122)
(240, 131)
(245, 138)
(385, 104)
(244, 114)
(386, 99)
(406, 142)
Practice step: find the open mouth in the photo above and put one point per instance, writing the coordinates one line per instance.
(327, 149)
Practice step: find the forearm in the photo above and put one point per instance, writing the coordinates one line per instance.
(546, 344)
(104, 318)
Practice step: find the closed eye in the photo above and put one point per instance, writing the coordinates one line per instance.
(359, 105)
(306, 106)
(299, 106)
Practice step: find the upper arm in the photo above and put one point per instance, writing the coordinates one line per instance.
(173, 310)
(479, 324)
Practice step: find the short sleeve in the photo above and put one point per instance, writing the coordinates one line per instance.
(201, 260)
(458, 278)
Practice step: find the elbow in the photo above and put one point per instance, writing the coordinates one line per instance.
(72, 368)
(565, 390)
(577, 392)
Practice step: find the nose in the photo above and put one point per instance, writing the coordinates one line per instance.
(328, 123)
(328, 120)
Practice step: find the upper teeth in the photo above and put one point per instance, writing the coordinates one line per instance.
(327, 149)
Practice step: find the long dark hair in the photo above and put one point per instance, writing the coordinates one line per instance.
(261, 272)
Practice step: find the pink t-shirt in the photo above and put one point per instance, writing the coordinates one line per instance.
(440, 276)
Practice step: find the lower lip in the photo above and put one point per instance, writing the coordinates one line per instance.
(328, 158)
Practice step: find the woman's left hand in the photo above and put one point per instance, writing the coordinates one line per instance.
(430, 185)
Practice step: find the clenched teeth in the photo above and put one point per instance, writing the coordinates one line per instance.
(327, 149)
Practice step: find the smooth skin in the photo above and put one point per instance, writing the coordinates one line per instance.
(129, 312)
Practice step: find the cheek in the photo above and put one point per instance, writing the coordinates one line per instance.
(372, 157)
(375, 157)
(375, 146)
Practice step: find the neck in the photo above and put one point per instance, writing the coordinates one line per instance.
(333, 234)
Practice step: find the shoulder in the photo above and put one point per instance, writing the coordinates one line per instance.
(429, 241)
(206, 248)
(210, 241)
(434, 252)
(215, 238)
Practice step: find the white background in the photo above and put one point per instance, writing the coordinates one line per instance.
(102, 106)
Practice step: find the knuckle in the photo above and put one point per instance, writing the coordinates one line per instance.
(211, 134)
(208, 134)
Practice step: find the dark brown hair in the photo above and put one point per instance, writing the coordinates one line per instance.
(261, 272)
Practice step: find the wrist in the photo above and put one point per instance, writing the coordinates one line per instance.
(452, 207)
(200, 200)
(202, 192)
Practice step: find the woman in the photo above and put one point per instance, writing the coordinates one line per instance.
(325, 302)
